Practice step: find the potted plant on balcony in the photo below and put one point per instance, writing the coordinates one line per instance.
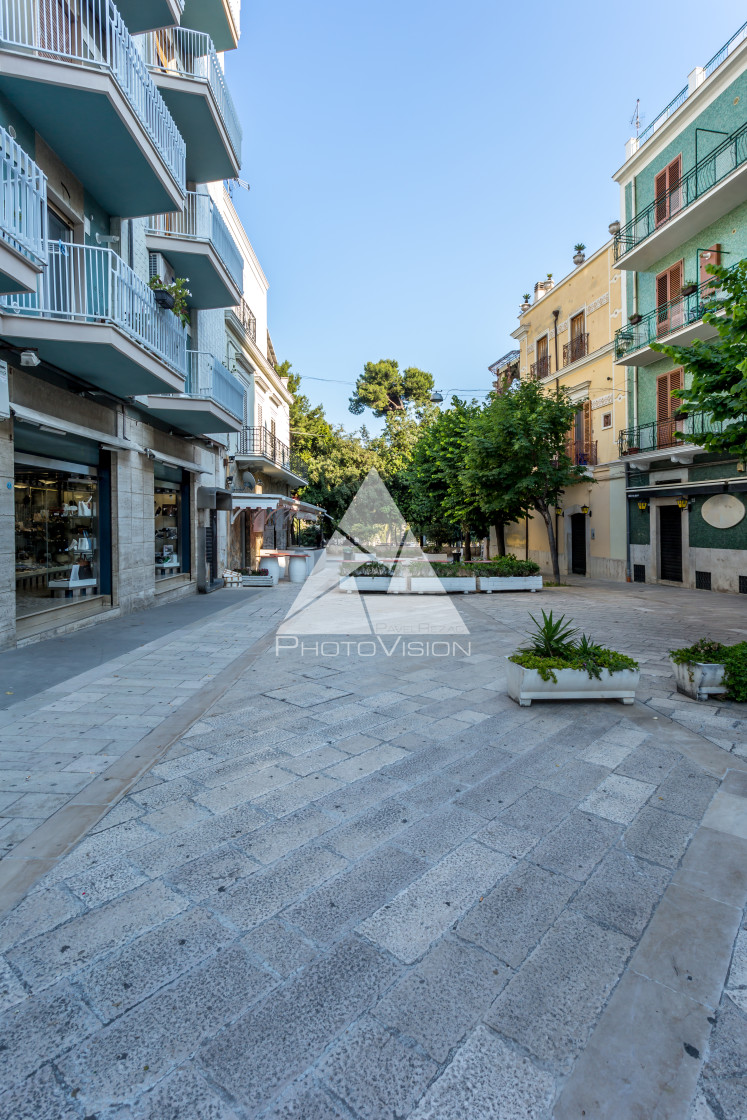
(557, 666)
(635, 318)
(688, 289)
(172, 297)
(506, 573)
(709, 668)
(579, 253)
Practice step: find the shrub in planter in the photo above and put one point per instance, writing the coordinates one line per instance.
(506, 573)
(709, 668)
(557, 665)
(439, 577)
(371, 575)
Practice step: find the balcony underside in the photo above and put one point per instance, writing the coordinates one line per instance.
(213, 17)
(197, 416)
(268, 467)
(149, 15)
(683, 336)
(98, 353)
(192, 104)
(718, 201)
(17, 273)
(92, 128)
(210, 282)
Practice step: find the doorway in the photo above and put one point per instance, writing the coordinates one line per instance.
(670, 543)
(578, 544)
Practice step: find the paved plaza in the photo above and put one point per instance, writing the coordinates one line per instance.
(337, 886)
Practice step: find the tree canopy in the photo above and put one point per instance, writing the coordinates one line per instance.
(384, 389)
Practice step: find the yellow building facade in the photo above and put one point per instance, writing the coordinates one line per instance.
(565, 338)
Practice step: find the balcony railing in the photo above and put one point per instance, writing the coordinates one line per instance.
(246, 319)
(202, 220)
(83, 284)
(667, 318)
(583, 452)
(262, 444)
(92, 34)
(540, 368)
(208, 377)
(663, 433)
(577, 348)
(191, 54)
(703, 177)
(23, 204)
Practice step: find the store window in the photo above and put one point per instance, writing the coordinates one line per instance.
(56, 537)
(168, 528)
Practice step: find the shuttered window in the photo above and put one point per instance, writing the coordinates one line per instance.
(669, 314)
(668, 191)
(708, 257)
(667, 404)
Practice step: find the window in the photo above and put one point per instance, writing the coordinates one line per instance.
(577, 347)
(171, 548)
(541, 368)
(668, 191)
(667, 404)
(669, 306)
(259, 415)
(579, 444)
(606, 419)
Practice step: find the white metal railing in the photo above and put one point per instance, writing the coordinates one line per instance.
(202, 220)
(84, 284)
(92, 34)
(23, 202)
(191, 54)
(208, 377)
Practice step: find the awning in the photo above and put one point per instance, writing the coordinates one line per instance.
(171, 461)
(212, 497)
(292, 506)
(44, 420)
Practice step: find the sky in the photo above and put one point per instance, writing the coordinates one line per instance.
(416, 166)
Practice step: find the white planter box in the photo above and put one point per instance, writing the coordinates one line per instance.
(699, 679)
(395, 585)
(257, 581)
(510, 583)
(430, 585)
(525, 685)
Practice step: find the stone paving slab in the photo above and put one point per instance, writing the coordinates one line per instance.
(412, 913)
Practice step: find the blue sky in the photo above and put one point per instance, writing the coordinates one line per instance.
(415, 167)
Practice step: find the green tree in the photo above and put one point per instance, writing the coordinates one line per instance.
(383, 388)
(527, 431)
(488, 473)
(718, 367)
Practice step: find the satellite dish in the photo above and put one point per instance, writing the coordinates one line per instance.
(248, 480)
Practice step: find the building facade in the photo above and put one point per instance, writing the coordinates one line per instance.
(684, 207)
(565, 340)
(117, 129)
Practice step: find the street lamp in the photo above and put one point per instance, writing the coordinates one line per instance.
(436, 397)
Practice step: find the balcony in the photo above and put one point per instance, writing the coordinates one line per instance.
(677, 323)
(189, 75)
(198, 245)
(576, 349)
(212, 401)
(73, 71)
(23, 218)
(220, 19)
(583, 452)
(714, 186)
(244, 320)
(91, 315)
(648, 441)
(273, 458)
(147, 15)
(540, 368)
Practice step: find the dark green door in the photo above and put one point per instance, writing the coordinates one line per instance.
(670, 543)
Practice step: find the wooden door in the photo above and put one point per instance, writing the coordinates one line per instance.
(669, 305)
(668, 192)
(667, 404)
(707, 283)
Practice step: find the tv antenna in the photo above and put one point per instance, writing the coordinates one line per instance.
(231, 184)
(636, 118)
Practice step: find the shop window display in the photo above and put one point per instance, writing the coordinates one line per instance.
(56, 522)
(168, 502)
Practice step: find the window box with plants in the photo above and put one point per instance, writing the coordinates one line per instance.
(506, 573)
(371, 576)
(172, 297)
(256, 577)
(434, 579)
(711, 669)
(557, 665)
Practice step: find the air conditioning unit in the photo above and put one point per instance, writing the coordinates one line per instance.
(159, 266)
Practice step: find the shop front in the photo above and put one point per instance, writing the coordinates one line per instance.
(171, 521)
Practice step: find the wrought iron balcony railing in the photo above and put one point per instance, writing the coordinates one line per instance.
(664, 433)
(191, 54)
(208, 377)
(93, 35)
(703, 177)
(246, 319)
(583, 452)
(83, 284)
(202, 220)
(540, 368)
(667, 318)
(260, 443)
(577, 348)
(23, 201)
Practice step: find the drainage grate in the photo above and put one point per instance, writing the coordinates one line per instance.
(743, 584)
(639, 573)
(703, 581)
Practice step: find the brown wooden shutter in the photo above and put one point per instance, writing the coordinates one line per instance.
(587, 429)
(674, 188)
(708, 257)
(667, 405)
(662, 301)
(660, 197)
(677, 303)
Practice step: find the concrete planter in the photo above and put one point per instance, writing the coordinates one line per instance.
(488, 584)
(395, 585)
(257, 581)
(699, 679)
(526, 685)
(430, 585)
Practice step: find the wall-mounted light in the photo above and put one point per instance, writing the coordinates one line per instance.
(585, 509)
(643, 506)
(683, 503)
